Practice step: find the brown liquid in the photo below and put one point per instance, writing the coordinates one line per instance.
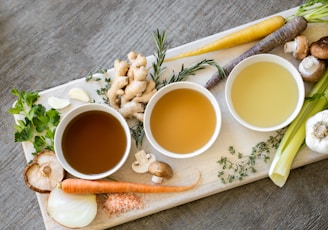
(183, 121)
(93, 142)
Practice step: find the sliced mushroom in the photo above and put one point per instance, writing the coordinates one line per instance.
(143, 161)
(44, 172)
(319, 49)
(160, 170)
(299, 47)
(311, 69)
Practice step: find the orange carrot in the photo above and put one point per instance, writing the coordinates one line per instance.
(81, 186)
(251, 33)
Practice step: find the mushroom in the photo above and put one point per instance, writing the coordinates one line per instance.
(319, 49)
(160, 170)
(311, 69)
(44, 172)
(143, 161)
(299, 47)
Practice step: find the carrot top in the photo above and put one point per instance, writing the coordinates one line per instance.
(313, 11)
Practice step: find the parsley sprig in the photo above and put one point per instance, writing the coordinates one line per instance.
(231, 171)
(38, 124)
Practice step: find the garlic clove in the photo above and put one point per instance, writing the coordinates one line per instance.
(79, 94)
(58, 103)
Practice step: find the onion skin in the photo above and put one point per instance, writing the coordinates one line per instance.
(71, 210)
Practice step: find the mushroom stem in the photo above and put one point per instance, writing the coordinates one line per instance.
(45, 170)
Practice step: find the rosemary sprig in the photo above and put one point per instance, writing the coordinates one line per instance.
(161, 48)
(231, 171)
(185, 72)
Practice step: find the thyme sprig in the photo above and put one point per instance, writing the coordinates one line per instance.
(107, 80)
(231, 171)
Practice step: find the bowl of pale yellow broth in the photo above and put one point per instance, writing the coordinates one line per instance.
(264, 92)
(182, 120)
(92, 141)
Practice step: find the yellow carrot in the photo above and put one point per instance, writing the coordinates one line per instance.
(248, 34)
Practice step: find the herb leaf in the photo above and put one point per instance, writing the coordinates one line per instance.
(38, 125)
(231, 171)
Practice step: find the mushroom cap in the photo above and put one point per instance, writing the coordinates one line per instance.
(312, 69)
(319, 49)
(44, 172)
(160, 169)
(299, 47)
(302, 47)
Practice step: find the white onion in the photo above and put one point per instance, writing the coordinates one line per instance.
(71, 210)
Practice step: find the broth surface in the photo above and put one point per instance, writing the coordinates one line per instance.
(264, 94)
(183, 121)
(93, 142)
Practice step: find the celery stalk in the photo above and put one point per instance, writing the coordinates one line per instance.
(294, 136)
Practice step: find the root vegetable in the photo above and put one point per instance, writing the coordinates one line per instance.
(71, 210)
(286, 33)
(131, 90)
(249, 34)
(81, 186)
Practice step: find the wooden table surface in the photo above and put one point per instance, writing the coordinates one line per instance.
(47, 43)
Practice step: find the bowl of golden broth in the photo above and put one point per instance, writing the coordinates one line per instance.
(92, 141)
(264, 92)
(182, 120)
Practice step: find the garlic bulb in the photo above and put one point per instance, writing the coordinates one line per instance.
(317, 132)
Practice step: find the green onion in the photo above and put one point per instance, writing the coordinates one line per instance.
(294, 136)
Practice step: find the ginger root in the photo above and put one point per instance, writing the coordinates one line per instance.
(130, 90)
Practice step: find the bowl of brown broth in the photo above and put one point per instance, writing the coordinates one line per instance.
(264, 92)
(182, 120)
(92, 141)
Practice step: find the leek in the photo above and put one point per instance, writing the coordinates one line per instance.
(294, 136)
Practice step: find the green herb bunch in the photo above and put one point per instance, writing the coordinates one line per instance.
(38, 125)
(231, 171)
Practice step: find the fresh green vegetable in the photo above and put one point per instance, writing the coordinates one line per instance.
(295, 133)
(38, 125)
(231, 171)
(313, 11)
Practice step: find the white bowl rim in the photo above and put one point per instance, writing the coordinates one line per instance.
(171, 87)
(266, 58)
(68, 117)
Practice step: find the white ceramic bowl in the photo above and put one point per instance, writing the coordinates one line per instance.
(176, 86)
(272, 60)
(66, 120)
